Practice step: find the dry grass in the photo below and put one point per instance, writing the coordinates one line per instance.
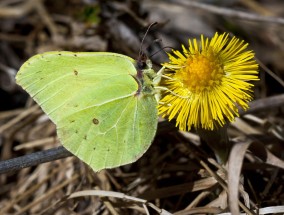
(178, 173)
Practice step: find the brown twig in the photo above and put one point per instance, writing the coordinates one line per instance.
(264, 104)
(229, 12)
(17, 11)
(269, 72)
(33, 159)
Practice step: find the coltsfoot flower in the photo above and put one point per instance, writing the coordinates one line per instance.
(207, 82)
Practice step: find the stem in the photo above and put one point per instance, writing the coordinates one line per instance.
(218, 141)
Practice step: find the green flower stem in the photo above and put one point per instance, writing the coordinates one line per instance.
(218, 141)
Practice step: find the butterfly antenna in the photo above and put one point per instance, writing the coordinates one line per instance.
(162, 49)
(141, 45)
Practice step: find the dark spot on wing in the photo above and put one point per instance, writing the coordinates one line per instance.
(59, 54)
(76, 105)
(94, 148)
(85, 137)
(71, 121)
(96, 121)
(75, 55)
(76, 131)
(75, 72)
(108, 149)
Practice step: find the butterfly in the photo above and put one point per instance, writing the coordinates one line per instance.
(103, 104)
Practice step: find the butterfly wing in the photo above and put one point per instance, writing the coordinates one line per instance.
(91, 99)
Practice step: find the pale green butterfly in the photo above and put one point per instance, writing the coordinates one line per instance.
(103, 104)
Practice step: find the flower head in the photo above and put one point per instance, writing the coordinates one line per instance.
(208, 81)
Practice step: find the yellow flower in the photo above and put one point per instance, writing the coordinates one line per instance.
(208, 82)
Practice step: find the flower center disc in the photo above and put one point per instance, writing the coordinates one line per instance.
(202, 71)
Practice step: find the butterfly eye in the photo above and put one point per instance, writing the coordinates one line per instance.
(141, 65)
